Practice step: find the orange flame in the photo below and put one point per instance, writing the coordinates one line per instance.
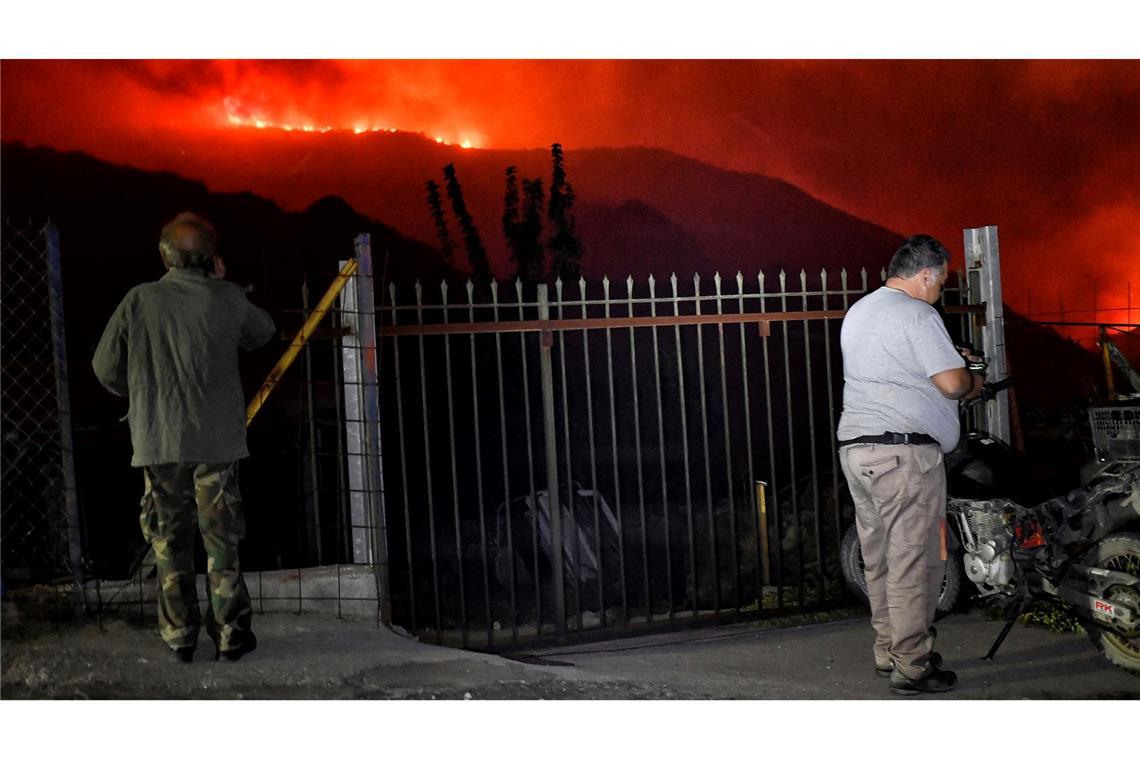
(237, 115)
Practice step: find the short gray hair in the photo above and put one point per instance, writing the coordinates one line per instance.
(187, 240)
(917, 253)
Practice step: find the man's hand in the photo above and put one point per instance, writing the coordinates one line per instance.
(976, 363)
(219, 270)
(968, 354)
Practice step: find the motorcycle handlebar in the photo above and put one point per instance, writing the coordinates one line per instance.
(1001, 385)
(989, 390)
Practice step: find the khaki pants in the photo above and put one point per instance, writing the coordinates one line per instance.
(178, 499)
(900, 504)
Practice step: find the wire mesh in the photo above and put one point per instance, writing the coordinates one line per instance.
(39, 535)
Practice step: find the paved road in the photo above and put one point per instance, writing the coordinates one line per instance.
(320, 657)
(833, 661)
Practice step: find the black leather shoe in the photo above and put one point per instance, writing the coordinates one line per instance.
(183, 654)
(248, 644)
(935, 661)
(934, 682)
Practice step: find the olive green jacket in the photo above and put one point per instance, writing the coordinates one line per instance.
(172, 347)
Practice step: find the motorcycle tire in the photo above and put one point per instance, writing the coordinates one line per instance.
(1117, 552)
(851, 563)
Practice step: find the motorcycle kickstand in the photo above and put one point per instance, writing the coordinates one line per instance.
(1010, 618)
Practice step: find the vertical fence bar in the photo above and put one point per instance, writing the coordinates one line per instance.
(593, 460)
(779, 554)
(705, 442)
(479, 469)
(832, 448)
(571, 502)
(685, 450)
(454, 469)
(427, 470)
(530, 448)
(343, 539)
(507, 518)
(403, 461)
(614, 444)
(552, 464)
(795, 503)
(727, 443)
(818, 523)
(314, 478)
(63, 404)
(637, 449)
(965, 296)
(661, 445)
(749, 486)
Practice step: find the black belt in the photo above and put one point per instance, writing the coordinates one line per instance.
(908, 439)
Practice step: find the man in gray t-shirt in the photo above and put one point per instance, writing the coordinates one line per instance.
(902, 378)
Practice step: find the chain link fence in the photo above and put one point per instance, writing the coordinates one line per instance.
(39, 526)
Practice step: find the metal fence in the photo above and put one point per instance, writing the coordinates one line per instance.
(40, 525)
(605, 459)
(517, 463)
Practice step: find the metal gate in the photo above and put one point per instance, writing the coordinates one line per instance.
(604, 460)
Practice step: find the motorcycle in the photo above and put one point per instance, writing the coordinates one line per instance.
(1081, 549)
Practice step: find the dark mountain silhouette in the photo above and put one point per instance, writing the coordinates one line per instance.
(109, 218)
(642, 240)
(724, 220)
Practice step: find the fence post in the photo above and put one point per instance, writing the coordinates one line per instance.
(551, 446)
(63, 398)
(362, 424)
(983, 267)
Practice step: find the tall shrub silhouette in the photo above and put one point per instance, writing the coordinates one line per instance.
(511, 226)
(565, 247)
(435, 207)
(530, 254)
(476, 253)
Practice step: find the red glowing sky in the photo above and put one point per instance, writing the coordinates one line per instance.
(1047, 150)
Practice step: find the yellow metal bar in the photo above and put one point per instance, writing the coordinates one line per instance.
(299, 340)
(762, 508)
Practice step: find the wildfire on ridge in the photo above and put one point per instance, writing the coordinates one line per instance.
(238, 116)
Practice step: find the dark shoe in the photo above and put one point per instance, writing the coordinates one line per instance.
(934, 682)
(248, 644)
(183, 654)
(935, 661)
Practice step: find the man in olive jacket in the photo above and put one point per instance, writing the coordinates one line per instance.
(172, 347)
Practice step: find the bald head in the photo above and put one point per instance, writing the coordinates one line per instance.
(187, 240)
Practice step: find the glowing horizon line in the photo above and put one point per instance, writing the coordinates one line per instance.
(254, 122)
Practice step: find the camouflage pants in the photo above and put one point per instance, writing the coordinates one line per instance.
(177, 497)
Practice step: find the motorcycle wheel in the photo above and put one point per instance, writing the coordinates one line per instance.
(1118, 552)
(851, 562)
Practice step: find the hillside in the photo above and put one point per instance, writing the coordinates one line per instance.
(694, 216)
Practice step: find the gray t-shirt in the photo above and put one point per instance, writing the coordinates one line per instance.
(892, 345)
